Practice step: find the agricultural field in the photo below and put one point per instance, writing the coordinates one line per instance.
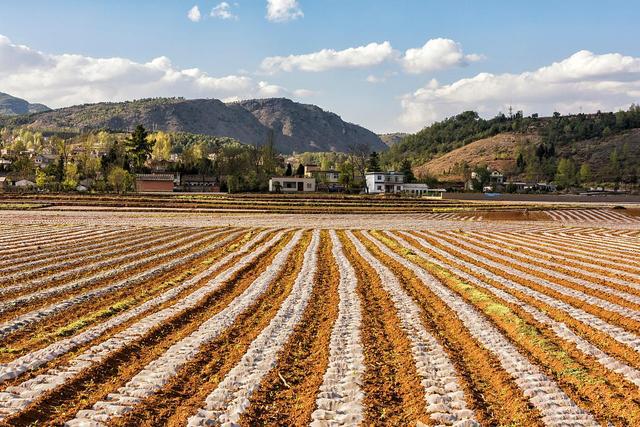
(496, 318)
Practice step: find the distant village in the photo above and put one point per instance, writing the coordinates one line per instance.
(33, 162)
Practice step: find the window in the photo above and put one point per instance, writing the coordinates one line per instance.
(308, 185)
(379, 177)
(379, 187)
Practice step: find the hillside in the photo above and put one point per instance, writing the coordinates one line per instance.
(607, 144)
(501, 151)
(305, 127)
(391, 139)
(298, 127)
(497, 152)
(12, 106)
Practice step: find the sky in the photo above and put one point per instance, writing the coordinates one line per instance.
(390, 66)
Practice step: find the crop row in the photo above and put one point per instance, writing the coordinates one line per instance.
(393, 327)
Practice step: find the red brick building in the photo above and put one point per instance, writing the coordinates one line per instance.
(154, 182)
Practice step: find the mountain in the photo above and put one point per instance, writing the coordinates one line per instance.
(392, 138)
(307, 127)
(12, 106)
(297, 127)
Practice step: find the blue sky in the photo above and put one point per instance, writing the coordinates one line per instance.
(485, 55)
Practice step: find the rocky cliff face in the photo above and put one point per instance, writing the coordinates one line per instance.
(12, 106)
(305, 127)
(297, 127)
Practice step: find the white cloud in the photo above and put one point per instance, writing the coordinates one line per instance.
(586, 80)
(375, 79)
(304, 93)
(67, 79)
(270, 90)
(326, 59)
(223, 11)
(194, 14)
(436, 54)
(283, 10)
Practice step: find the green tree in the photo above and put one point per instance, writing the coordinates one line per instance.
(565, 173)
(139, 148)
(119, 180)
(406, 169)
(41, 178)
(346, 175)
(269, 155)
(584, 175)
(373, 163)
(161, 145)
(289, 170)
(520, 163)
(71, 176)
(300, 170)
(614, 166)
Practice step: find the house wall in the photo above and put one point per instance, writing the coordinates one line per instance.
(143, 186)
(290, 185)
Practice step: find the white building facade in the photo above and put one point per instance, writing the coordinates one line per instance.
(384, 182)
(291, 184)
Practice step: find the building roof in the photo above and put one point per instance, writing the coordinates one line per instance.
(198, 178)
(384, 173)
(154, 177)
(292, 177)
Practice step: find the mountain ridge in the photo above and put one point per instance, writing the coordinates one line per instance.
(297, 127)
(14, 106)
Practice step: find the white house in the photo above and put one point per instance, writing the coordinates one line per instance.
(291, 184)
(417, 189)
(384, 182)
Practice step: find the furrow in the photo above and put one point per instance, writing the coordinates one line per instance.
(155, 375)
(230, 399)
(600, 303)
(38, 315)
(340, 398)
(147, 246)
(556, 407)
(442, 391)
(40, 357)
(619, 334)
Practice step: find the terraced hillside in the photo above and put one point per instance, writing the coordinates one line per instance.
(441, 321)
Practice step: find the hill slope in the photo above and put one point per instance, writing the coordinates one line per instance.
(497, 152)
(298, 127)
(501, 151)
(391, 139)
(12, 106)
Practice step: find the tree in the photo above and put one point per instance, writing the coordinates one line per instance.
(300, 170)
(289, 170)
(358, 155)
(139, 148)
(614, 166)
(71, 176)
(585, 173)
(566, 173)
(520, 163)
(41, 178)
(346, 174)
(269, 155)
(161, 145)
(119, 180)
(373, 164)
(406, 169)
